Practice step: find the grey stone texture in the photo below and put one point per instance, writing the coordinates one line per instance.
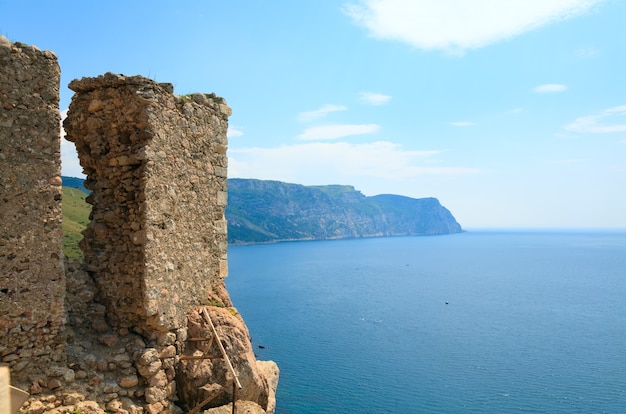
(156, 164)
(32, 280)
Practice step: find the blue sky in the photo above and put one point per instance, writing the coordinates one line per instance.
(511, 112)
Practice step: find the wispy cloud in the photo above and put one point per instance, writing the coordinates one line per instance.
(570, 161)
(233, 132)
(63, 114)
(587, 52)
(610, 120)
(337, 131)
(458, 25)
(336, 162)
(550, 88)
(316, 114)
(370, 98)
(516, 110)
(462, 123)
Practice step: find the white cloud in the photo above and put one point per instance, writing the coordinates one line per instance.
(458, 25)
(516, 110)
(337, 131)
(336, 162)
(233, 132)
(561, 135)
(370, 98)
(462, 123)
(316, 114)
(550, 88)
(609, 120)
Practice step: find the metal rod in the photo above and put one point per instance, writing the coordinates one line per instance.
(234, 397)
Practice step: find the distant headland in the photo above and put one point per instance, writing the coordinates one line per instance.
(261, 211)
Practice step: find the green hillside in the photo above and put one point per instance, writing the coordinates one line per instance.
(75, 218)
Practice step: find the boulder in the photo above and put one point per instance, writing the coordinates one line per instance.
(193, 375)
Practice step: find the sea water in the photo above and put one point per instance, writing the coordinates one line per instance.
(477, 322)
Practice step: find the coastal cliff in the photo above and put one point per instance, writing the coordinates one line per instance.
(261, 211)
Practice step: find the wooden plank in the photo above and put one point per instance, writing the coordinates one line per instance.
(11, 398)
(5, 396)
(18, 398)
(199, 339)
(195, 357)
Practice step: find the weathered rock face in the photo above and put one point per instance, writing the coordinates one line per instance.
(192, 375)
(156, 165)
(32, 281)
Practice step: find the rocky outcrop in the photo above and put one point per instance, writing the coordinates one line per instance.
(264, 211)
(196, 378)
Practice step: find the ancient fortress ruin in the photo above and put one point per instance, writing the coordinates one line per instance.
(144, 324)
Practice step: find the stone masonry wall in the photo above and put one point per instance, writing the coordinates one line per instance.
(32, 281)
(120, 331)
(156, 164)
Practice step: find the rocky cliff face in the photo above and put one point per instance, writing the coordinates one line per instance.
(265, 211)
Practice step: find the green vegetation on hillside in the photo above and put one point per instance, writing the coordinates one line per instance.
(334, 190)
(75, 218)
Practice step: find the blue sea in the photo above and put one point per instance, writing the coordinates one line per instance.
(477, 322)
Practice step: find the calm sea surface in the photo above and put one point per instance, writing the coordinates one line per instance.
(478, 322)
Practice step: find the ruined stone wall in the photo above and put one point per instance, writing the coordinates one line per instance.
(32, 281)
(126, 339)
(156, 164)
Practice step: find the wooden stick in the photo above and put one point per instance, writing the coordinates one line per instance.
(230, 366)
(194, 357)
